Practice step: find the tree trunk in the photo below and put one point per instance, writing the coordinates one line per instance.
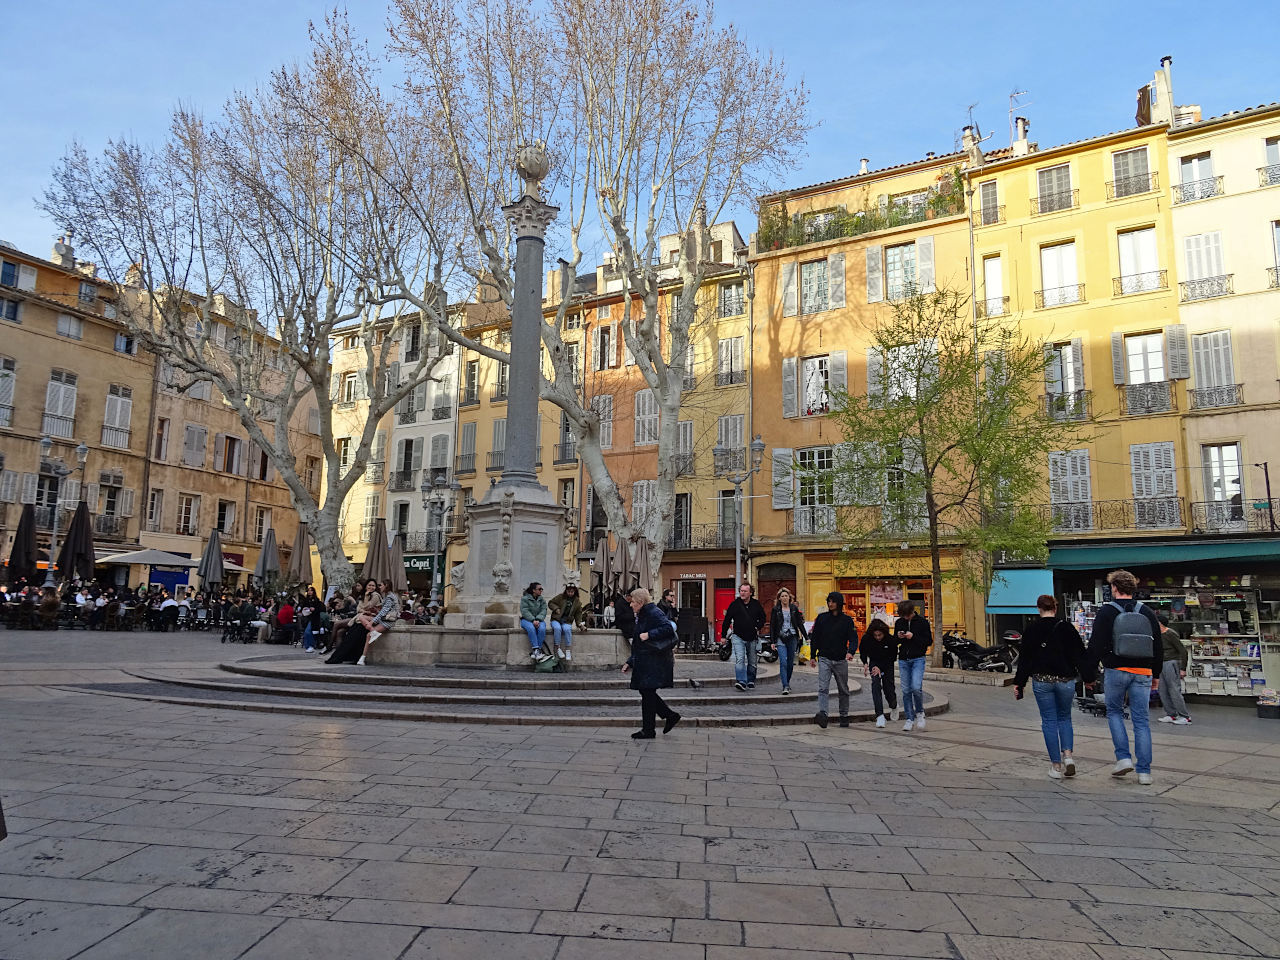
(326, 530)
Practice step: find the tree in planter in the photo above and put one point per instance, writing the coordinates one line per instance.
(949, 447)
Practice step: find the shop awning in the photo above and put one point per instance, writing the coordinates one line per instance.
(1016, 590)
(1109, 556)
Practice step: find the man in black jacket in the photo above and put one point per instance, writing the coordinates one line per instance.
(1134, 677)
(834, 641)
(742, 623)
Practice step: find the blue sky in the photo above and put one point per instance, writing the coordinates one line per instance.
(889, 81)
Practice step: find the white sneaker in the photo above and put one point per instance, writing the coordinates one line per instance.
(920, 722)
(1069, 766)
(909, 726)
(1182, 721)
(1054, 774)
(880, 721)
(533, 654)
(1144, 779)
(1122, 768)
(360, 662)
(568, 654)
(893, 714)
(1166, 719)
(559, 653)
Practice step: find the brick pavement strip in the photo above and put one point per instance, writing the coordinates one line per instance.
(149, 829)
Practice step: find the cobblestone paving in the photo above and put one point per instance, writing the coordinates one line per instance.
(145, 830)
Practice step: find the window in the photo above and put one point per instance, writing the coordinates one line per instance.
(69, 326)
(1269, 176)
(467, 443)
(1064, 372)
(311, 473)
(504, 380)
(88, 292)
(675, 305)
(568, 492)
(1223, 484)
(1155, 485)
(227, 517)
(1130, 172)
(1214, 370)
(900, 270)
(193, 444)
(813, 286)
(642, 495)
(8, 378)
(118, 417)
(400, 518)
(732, 299)
(603, 347)
(1070, 490)
(1139, 264)
(188, 514)
(1059, 283)
(60, 405)
(126, 344)
(993, 287)
(730, 436)
(228, 458)
(727, 517)
(471, 382)
(574, 361)
(908, 367)
(646, 417)
(350, 387)
(1144, 358)
(155, 510)
(682, 522)
(8, 273)
(602, 406)
(344, 449)
(10, 310)
(815, 490)
(262, 521)
(1054, 188)
(684, 447)
(573, 321)
(602, 311)
(350, 342)
(815, 379)
(729, 365)
(1198, 181)
(989, 198)
(909, 204)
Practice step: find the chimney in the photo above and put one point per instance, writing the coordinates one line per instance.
(863, 167)
(972, 147)
(930, 155)
(63, 254)
(1161, 93)
(1020, 146)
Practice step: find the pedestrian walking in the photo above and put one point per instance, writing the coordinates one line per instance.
(1126, 642)
(878, 651)
(1171, 674)
(1052, 657)
(786, 626)
(834, 639)
(915, 637)
(742, 623)
(651, 664)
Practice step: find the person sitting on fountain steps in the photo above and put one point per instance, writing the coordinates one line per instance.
(533, 617)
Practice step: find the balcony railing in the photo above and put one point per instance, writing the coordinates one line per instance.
(117, 437)
(592, 536)
(1053, 202)
(375, 472)
(777, 231)
(1273, 278)
(730, 460)
(1156, 513)
(1133, 185)
(1197, 190)
(440, 413)
(6, 415)
(1142, 399)
(1205, 398)
(497, 458)
(344, 406)
(466, 463)
(1235, 516)
(60, 427)
(816, 521)
(498, 395)
(1207, 287)
(992, 306)
(683, 462)
(407, 416)
(1060, 296)
(729, 378)
(690, 381)
(469, 400)
(111, 528)
(702, 536)
(566, 452)
(402, 481)
(988, 216)
(1140, 282)
(1063, 407)
(1269, 176)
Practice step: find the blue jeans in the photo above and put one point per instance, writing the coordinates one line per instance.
(912, 673)
(1115, 685)
(537, 632)
(787, 651)
(744, 658)
(562, 633)
(1054, 701)
(308, 639)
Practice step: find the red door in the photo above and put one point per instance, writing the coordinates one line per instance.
(724, 597)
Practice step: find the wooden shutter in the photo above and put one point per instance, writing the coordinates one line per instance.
(837, 377)
(844, 484)
(835, 281)
(127, 497)
(1117, 359)
(53, 398)
(1077, 365)
(787, 282)
(8, 486)
(379, 447)
(440, 452)
(628, 358)
(875, 274)
(219, 450)
(313, 420)
(1053, 369)
(29, 483)
(790, 388)
(1153, 468)
(69, 491)
(92, 493)
(604, 406)
(684, 437)
(335, 386)
(499, 435)
(924, 265)
(1080, 485)
(1179, 350)
(7, 379)
(418, 444)
(591, 503)
(784, 497)
(468, 441)
(875, 375)
(1214, 365)
(26, 277)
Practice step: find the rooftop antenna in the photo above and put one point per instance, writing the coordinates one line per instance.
(977, 131)
(1014, 106)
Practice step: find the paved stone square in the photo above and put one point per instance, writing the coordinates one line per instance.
(151, 830)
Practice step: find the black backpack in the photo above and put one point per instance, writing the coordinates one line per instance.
(1131, 634)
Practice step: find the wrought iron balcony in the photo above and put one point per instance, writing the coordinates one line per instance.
(566, 452)
(344, 406)
(497, 458)
(407, 416)
(592, 536)
(60, 427)
(109, 527)
(1207, 287)
(702, 536)
(819, 521)
(375, 471)
(690, 381)
(499, 394)
(1133, 185)
(440, 413)
(1204, 398)
(425, 541)
(402, 481)
(1155, 513)
(1197, 190)
(1143, 399)
(6, 414)
(1073, 405)
(44, 517)
(683, 462)
(117, 437)
(1140, 282)
(1235, 516)
(466, 463)
(469, 400)
(1060, 296)
(729, 461)
(1273, 278)
(988, 216)
(1269, 176)
(992, 306)
(1053, 202)
(729, 378)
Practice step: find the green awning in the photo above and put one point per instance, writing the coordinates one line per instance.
(1015, 591)
(1110, 556)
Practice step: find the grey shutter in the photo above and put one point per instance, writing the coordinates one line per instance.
(9, 486)
(1077, 363)
(379, 446)
(875, 274)
(875, 375)
(418, 444)
(924, 265)
(838, 377)
(790, 396)
(313, 420)
(1179, 349)
(393, 376)
(845, 484)
(126, 502)
(1052, 370)
(787, 281)
(26, 277)
(783, 479)
(440, 452)
(835, 281)
(1117, 359)
(69, 493)
(335, 386)
(92, 492)
(219, 450)
(29, 488)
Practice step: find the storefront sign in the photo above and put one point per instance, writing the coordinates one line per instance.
(693, 576)
(420, 563)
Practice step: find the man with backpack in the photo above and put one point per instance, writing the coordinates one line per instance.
(1126, 642)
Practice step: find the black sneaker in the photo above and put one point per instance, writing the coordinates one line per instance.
(740, 686)
(671, 723)
(751, 685)
(643, 735)
(844, 721)
(821, 719)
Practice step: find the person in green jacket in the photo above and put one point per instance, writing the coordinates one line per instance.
(567, 612)
(533, 617)
(1175, 668)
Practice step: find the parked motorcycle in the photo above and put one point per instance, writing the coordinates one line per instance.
(768, 650)
(960, 651)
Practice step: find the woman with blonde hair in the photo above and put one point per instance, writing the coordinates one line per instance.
(786, 626)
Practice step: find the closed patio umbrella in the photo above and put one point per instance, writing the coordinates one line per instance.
(601, 572)
(640, 564)
(299, 571)
(212, 569)
(268, 566)
(377, 561)
(76, 557)
(22, 558)
(399, 579)
(620, 568)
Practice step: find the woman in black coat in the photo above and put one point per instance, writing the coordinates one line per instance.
(652, 663)
(788, 634)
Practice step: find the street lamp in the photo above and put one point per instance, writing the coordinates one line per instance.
(726, 463)
(60, 470)
(438, 499)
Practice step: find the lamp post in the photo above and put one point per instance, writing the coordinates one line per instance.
(725, 469)
(438, 499)
(60, 470)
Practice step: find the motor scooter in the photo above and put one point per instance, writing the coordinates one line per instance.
(960, 651)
